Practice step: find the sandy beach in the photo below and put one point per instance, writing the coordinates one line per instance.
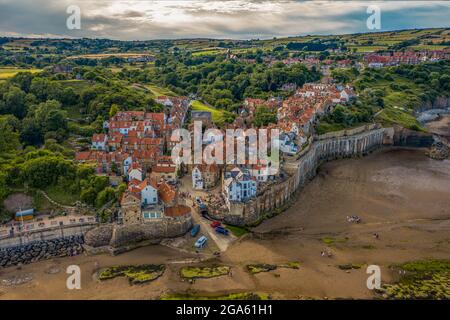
(399, 194)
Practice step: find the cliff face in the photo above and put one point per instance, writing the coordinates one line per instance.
(439, 103)
(408, 138)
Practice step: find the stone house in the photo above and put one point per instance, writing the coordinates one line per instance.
(205, 176)
(160, 172)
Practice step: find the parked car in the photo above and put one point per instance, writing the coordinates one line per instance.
(222, 230)
(198, 201)
(200, 243)
(215, 224)
(195, 229)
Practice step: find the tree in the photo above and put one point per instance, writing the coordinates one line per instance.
(23, 80)
(88, 196)
(9, 137)
(263, 116)
(31, 133)
(50, 116)
(43, 172)
(113, 110)
(15, 102)
(104, 197)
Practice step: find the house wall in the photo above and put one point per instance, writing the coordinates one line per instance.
(135, 174)
(149, 195)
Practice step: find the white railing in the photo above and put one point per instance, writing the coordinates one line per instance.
(18, 228)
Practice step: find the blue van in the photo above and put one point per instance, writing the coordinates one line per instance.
(200, 243)
(222, 230)
(195, 229)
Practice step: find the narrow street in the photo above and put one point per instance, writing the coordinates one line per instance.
(221, 240)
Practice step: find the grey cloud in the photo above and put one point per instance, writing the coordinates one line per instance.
(238, 19)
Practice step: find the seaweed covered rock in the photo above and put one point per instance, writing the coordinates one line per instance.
(135, 274)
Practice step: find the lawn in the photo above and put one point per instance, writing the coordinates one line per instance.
(77, 85)
(208, 52)
(6, 73)
(399, 103)
(367, 48)
(159, 91)
(62, 195)
(237, 231)
(124, 55)
(218, 116)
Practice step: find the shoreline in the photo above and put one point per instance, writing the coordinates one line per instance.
(409, 231)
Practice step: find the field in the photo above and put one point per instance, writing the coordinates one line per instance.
(399, 103)
(108, 55)
(61, 195)
(77, 85)
(6, 73)
(218, 116)
(159, 91)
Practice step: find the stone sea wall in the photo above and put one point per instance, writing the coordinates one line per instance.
(113, 236)
(322, 148)
(41, 250)
(409, 138)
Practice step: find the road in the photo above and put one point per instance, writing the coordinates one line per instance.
(222, 241)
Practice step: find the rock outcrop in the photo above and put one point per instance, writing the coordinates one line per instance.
(116, 236)
(409, 138)
(41, 250)
(439, 151)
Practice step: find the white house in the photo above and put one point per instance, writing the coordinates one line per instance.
(135, 172)
(260, 172)
(149, 192)
(287, 144)
(197, 180)
(347, 94)
(99, 141)
(127, 163)
(239, 186)
(165, 101)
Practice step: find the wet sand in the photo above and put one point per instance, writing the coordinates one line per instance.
(441, 126)
(400, 194)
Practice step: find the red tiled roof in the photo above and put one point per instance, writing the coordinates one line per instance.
(83, 155)
(166, 193)
(163, 169)
(98, 137)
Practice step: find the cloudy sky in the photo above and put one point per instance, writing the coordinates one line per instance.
(236, 19)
